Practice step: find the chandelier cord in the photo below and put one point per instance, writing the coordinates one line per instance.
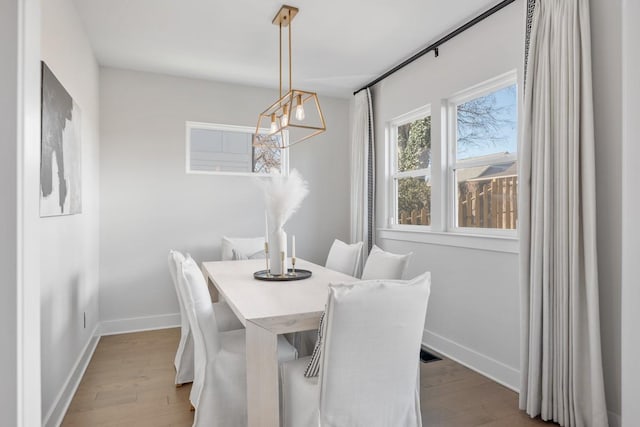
(290, 86)
(280, 58)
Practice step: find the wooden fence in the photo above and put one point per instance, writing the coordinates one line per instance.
(489, 203)
(416, 217)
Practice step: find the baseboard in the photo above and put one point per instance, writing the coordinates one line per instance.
(138, 324)
(614, 420)
(485, 365)
(60, 405)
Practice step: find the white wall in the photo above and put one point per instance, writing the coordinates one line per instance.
(473, 313)
(8, 211)
(19, 242)
(69, 244)
(149, 205)
(631, 205)
(607, 93)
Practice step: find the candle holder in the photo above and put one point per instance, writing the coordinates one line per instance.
(293, 266)
(284, 272)
(266, 257)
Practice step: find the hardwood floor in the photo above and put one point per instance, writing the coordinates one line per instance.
(452, 395)
(129, 382)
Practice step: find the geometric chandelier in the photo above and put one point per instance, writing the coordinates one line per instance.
(296, 109)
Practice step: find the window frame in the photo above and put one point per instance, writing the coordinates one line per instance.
(450, 143)
(394, 174)
(189, 125)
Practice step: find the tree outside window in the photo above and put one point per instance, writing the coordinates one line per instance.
(414, 155)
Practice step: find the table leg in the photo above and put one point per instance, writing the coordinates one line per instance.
(213, 291)
(263, 397)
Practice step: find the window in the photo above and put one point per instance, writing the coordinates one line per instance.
(411, 169)
(453, 170)
(224, 149)
(482, 156)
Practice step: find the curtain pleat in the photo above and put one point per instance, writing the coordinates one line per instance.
(561, 366)
(363, 174)
(371, 178)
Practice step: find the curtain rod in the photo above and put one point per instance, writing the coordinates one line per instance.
(434, 46)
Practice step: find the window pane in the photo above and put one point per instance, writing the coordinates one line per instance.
(267, 156)
(414, 200)
(214, 150)
(488, 196)
(488, 125)
(414, 145)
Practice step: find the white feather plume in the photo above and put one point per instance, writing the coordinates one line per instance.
(283, 195)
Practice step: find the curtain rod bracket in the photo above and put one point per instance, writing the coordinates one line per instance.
(437, 52)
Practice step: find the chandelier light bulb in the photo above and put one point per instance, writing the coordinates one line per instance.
(274, 123)
(299, 109)
(285, 116)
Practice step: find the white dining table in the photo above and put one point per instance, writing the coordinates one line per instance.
(268, 309)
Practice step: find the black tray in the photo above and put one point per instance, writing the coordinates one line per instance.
(299, 275)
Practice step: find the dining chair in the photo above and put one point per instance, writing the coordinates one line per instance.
(242, 248)
(226, 320)
(368, 362)
(239, 248)
(385, 265)
(219, 391)
(344, 257)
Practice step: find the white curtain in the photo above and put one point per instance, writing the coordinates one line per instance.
(363, 174)
(561, 367)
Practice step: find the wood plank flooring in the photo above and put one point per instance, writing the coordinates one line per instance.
(129, 382)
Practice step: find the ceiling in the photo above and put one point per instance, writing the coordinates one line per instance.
(338, 45)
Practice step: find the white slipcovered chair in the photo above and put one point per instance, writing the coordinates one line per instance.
(219, 388)
(385, 265)
(244, 248)
(369, 360)
(344, 258)
(226, 320)
(241, 248)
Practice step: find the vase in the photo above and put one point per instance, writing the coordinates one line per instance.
(277, 245)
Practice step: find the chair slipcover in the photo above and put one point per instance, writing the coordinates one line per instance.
(247, 246)
(369, 369)
(383, 265)
(227, 321)
(237, 248)
(344, 258)
(219, 388)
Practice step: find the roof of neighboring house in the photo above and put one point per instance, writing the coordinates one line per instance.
(495, 170)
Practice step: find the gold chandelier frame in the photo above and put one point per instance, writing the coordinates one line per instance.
(280, 115)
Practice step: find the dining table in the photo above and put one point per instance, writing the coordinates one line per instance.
(268, 309)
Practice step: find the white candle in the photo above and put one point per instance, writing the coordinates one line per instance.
(266, 228)
(293, 246)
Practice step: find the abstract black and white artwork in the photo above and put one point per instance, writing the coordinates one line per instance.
(60, 162)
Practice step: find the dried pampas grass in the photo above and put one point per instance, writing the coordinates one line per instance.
(283, 195)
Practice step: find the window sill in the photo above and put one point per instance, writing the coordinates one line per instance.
(484, 242)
